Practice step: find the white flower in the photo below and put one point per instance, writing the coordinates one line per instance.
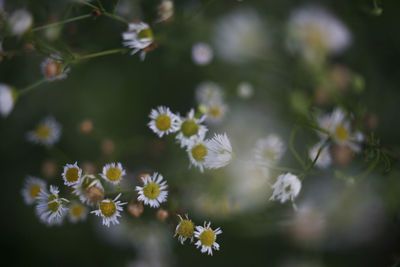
(324, 159)
(219, 153)
(71, 174)
(202, 54)
(286, 187)
(89, 190)
(339, 128)
(32, 188)
(7, 99)
(47, 132)
(110, 210)
(197, 152)
(20, 21)
(208, 92)
(207, 238)
(77, 212)
(113, 173)
(216, 112)
(269, 151)
(50, 207)
(240, 36)
(185, 229)
(165, 10)
(163, 121)
(313, 31)
(190, 129)
(53, 68)
(245, 90)
(153, 192)
(138, 37)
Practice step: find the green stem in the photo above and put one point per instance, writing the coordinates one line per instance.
(201, 8)
(115, 17)
(61, 22)
(371, 167)
(99, 54)
(317, 156)
(115, 6)
(100, 5)
(294, 152)
(31, 87)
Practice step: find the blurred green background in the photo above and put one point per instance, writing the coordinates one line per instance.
(117, 93)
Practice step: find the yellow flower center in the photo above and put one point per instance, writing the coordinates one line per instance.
(189, 128)
(199, 152)
(72, 175)
(163, 122)
(108, 208)
(215, 112)
(186, 228)
(269, 154)
(113, 174)
(315, 38)
(151, 190)
(207, 238)
(43, 131)
(341, 133)
(145, 33)
(34, 190)
(52, 203)
(76, 210)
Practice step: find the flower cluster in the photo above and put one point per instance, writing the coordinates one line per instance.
(205, 235)
(212, 153)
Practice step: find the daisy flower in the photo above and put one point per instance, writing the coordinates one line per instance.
(185, 229)
(339, 128)
(313, 31)
(77, 212)
(269, 150)
(245, 90)
(197, 152)
(153, 192)
(47, 132)
(89, 190)
(219, 152)
(110, 210)
(20, 21)
(163, 121)
(190, 129)
(138, 37)
(113, 173)
(208, 92)
(8, 96)
(32, 188)
(165, 10)
(202, 54)
(286, 187)
(206, 238)
(50, 207)
(71, 174)
(324, 159)
(216, 112)
(53, 68)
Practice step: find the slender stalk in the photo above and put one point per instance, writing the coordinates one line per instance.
(115, 6)
(61, 22)
(294, 152)
(101, 5)
(99, 54)
(115, 17)
(31, 87)
(201, 8)
(317, 156)
(372, 166)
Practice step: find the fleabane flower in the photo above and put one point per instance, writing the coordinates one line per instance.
(47, 132)
(32, 188)
(8, 97)
(77, 212)
(219, 152)
(269, 150)
(339, 128)
(20, 21)
(154, 190)
(110, 210)
(72, 174)
(113, 173)
(185, 229)
(50, 207)
(324, 159)
(245, 90)
(207, 238)
(191, 128)
(202, 54)
(215, 112)
(89, 190)
(197, 151)
(165, 10)
(286, 187)
(139, 37)
(53, 68)
(163, 121)
(314, 32)
(208, 92)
